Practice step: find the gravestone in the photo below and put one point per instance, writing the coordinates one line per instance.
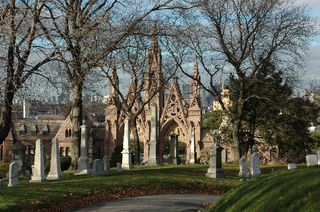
(153, 137)
(292, 166)
(215, 163)
(38, 174)
(119, 167)
(126, 156)
(98, 167)
(83, 162)
(55, 172)
(312, 160)
(193, 148)
(318, 154)
(14, 170)
(243, 172)
(255, 162)
(174, 149)
(106, 164)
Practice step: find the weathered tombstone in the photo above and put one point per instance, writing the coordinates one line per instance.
(193, 148)
(83, 162)
(126, 156)
(153, 137)
(292, 166)
(38, 174)
(119, 167)
(98, 167)
(55, 172)
(106, 164)
(255, 162)
(243, 173)
(312, 160)
(215, 163)
(174, 149)
(14, 170)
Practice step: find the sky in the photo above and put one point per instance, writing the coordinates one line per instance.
(312, 60)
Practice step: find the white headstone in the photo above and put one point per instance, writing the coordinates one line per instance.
(55, 172)
(243, 172)
(38, 174)
(13, 174)
(153, 137)
(312, 160)
(192, 147)
(255, 162)
(98, 167)
(83, 162)
(292, 166)
(126, 156)
(119, 167)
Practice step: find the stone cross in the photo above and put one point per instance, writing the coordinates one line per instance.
(312, 160)
(193, 147)
(255, 162)
(153, 138)
(126, 156)
(14, 169)
(98, 167)
(55, 164)
(83, 162)
(38, 174)
(215, 163)
(243, 173)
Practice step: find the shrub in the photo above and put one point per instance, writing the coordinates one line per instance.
(116, 156)
(4, 168)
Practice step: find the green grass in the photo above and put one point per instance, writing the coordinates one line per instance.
(78, 191)
(294, 190)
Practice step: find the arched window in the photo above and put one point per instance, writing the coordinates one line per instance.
(68, 151)
(62, 151)
(66, 133)
(69, 132)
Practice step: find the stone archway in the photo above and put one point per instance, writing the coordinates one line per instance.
(172, 127)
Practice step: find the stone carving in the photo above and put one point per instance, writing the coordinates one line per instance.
(126, 156)
(83, 162)
(292, 166)
(215, 164)
(243, 173)
(14, 170)
(55, 165)
(98, 167)
(38, 174)
(255, 162)
(312, 160)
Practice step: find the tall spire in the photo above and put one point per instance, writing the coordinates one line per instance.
(154, 36)
(195, 86)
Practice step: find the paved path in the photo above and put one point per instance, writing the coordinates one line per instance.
(165, 203)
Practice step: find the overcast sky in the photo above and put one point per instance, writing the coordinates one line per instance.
(312, 68)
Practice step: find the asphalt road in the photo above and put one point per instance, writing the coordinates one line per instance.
(164, 202)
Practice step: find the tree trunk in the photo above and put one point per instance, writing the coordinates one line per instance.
(76, 121)
(6, 116)
(236, 139)
(137, 142)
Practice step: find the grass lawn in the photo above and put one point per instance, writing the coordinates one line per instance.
(294, 190)
(78, 191)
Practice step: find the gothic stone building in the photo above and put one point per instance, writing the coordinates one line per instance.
(174, 115)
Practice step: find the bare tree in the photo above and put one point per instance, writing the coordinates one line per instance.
(23, 52)
(240, 37)
(85, 33)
